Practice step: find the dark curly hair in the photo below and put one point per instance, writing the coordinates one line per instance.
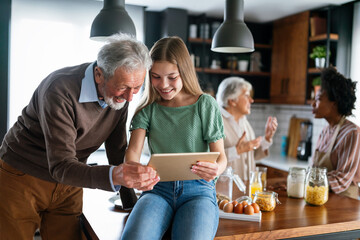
(339, 89)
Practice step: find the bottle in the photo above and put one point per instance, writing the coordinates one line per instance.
(296, 182)
(255, 183)
(316, 186)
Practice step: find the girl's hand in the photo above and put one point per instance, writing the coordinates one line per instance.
(206, 170)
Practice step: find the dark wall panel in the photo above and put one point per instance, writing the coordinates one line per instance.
(5, 16)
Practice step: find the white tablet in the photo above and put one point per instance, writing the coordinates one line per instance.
(177, 166)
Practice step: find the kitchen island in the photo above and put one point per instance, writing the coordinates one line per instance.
(339, 218)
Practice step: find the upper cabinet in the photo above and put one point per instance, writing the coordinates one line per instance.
(289, 59)
(294, 70)
(213, 67)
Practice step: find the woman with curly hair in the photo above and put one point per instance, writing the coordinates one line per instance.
(338, 146)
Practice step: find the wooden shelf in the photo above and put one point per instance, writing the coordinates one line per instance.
(263, 74)
(259, 100)
(216, 71)
(321, 37)
(263, 46)
(314, 70)
(229, 71)
(199, 40)
(208, 41)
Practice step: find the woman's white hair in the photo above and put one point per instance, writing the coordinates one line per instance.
(230, 89)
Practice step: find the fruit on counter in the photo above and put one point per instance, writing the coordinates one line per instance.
(256, 207)
(222, 203)
(239, 208)
(228, 207)
(248, 209)
(234, 203)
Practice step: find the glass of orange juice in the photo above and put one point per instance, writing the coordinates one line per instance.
(255, 183)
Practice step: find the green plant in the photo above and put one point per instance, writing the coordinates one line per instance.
(316, 81)
(319, 52)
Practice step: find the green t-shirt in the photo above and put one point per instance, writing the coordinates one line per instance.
(181, 129)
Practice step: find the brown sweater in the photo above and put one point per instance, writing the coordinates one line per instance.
(55, 134)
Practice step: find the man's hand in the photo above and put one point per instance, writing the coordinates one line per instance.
(135, 175)
(246, 146)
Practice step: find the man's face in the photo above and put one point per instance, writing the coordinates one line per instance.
(121, 87)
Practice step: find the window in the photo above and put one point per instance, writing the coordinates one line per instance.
(49, 35)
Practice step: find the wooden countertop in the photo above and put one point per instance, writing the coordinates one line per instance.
(292, 218)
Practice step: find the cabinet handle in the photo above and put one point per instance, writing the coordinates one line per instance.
(282, 86)
(287, 85)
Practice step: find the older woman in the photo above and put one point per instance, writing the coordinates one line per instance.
(241, 146)
(338, 146)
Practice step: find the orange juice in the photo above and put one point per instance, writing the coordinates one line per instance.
(254, 187)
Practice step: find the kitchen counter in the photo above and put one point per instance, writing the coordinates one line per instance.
(282, 163)
(339, 218)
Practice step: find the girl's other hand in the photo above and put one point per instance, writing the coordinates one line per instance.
(206, 170)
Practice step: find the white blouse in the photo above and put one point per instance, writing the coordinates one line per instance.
(233, 131)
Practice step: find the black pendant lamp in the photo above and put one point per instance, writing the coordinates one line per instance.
(233, 36)
(112, 19)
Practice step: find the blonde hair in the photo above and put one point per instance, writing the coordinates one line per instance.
(173, 50)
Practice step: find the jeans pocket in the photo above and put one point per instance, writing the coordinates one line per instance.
(9, 169)
(210, 184)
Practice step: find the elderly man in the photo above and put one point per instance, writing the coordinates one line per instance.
(43, 156)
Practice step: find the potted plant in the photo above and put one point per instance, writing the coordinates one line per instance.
(316, 82)
(319, 54)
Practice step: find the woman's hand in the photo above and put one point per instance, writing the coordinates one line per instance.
(206, 170)
(246, 146)
(270, 128)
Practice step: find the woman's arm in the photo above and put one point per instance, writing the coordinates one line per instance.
(348, 155)
(208, 171)
(136, 144)
(132, 162)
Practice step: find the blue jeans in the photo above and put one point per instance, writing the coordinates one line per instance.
(188, 207)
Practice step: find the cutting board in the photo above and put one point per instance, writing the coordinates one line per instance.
(256, 217)
(294, 135)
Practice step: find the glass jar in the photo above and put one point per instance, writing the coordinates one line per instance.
(224, 184)
(316, 186)
(266, 200)
(255, 183)
(296, 182)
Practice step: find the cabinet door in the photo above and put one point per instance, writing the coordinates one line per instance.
(289, 59)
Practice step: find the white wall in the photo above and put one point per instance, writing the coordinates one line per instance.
(47, 35)
(355, 60)
(283, 113)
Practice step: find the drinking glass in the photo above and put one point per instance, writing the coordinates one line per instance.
(263, 174)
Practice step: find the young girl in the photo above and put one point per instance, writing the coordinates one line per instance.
(176, 116)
